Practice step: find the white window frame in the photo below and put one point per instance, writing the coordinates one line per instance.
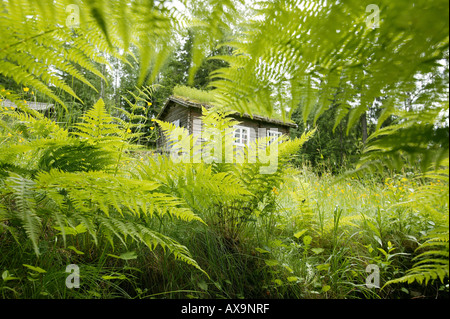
(273, 133)
(238, 141)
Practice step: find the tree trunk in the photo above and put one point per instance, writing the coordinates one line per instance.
(364, 127)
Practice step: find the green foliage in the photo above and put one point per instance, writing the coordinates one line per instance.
(194, 94)
(432, 263)
(232, 186)
(424, 145)
(28, 52)
(71, 184)
(329, 149)
(105, 30)
(98, 126)
(76, 156)
(24, 198)
(322, 59)
(176, 71)
(286, 56)
(270, 72)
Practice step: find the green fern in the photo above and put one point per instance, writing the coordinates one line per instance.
(23, 194)
(139, 233)
(67, 181)
(432, 263)
(77, 197)
(109, 133)
(286, 57)
(426, 144)
(38, 43)
(283, 58)
(42, 144)
(75, 156)
(28, 52)
(226, 194)
(431, 201)
(116, 198)
(97, 126)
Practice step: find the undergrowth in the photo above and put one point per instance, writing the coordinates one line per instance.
(149, 227)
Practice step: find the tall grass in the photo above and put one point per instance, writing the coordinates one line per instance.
(316, 244)
(352, 222)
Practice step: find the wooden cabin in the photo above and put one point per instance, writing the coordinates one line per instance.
(186, 113)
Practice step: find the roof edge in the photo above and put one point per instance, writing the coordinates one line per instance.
(189, 103)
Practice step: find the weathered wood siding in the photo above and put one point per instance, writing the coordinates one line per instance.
(195, 121)
(174, 112)
(190, 118)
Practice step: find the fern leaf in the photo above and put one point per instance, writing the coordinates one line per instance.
(23, 195)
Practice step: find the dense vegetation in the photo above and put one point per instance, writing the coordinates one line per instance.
(362, 184)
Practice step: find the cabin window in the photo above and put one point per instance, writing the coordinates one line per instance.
(241, 135)
(272, 134)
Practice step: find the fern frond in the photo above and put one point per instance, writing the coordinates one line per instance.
(75, 156)
(433, 263)
(23, 192)
(99, 190)
(145, 235)
(182, 145)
